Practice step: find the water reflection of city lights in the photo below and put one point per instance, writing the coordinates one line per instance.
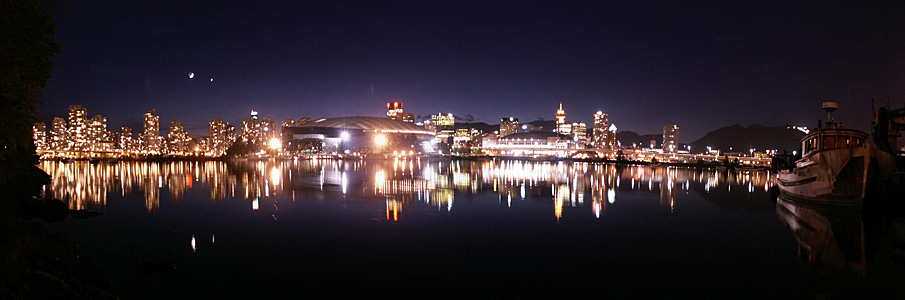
(586, 186)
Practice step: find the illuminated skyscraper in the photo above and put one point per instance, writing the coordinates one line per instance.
(219, 141)
(601, 125)
(230, 135)
(671, 138)
(508, 126)
(178, 138)
(59, 137)
(98, 139)
(561, 126)
(39, 133)
(78, 127)
(288, 123)
(253, 130)
(151, 135)
(125, 139)
(580, 133)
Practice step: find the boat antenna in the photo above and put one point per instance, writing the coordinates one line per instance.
(830, 107)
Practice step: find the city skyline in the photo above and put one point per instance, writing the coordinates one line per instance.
(645, 64)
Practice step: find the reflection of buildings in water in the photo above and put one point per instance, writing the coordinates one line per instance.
(668, 188)
(433, 183)
(80, 183)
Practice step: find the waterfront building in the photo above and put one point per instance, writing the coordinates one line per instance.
(394, 111)
(59, 137)
(178, 138)
(230, 135)
(252, 130)
(78, 127)
(126, 143)
(561, 126)
(219, 141)
(601, 126)
(529, 144)
(151, 141)
(580, 133)
(206, 143)
(98, 137)
(508, 126)
(670, 138)
(39, 134)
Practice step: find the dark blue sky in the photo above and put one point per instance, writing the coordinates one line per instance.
(699, 64)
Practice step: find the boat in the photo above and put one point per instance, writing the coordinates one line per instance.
(838, 166)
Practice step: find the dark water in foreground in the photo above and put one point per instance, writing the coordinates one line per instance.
(431, 228)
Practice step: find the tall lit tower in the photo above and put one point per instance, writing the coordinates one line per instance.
(218, 136)
(252, 130)
(179, 139)
(59, 138)
(601, 125)
(561, 126)
(671, 138)
(78, 127)
(97, 133)
(151, 137)
(125, 139)
(230, 135)
(39, 131)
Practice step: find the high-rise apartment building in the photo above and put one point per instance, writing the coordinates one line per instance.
(125, 139)
(98, 139)
(508, 126)
(151, 141)
(671, 138)
(253, 130)
(230, 135)
(601, 127)
(178, 138)
(218, 138)
(59, 136)
(39, 133)
(78, 128)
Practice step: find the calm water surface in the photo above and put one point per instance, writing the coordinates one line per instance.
(295, 228)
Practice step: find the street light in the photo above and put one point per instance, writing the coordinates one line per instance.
(380, 140)
(344, 135)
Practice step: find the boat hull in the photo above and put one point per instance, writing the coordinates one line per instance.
(837, 177)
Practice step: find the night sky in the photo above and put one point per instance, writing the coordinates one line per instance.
(699, 64)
